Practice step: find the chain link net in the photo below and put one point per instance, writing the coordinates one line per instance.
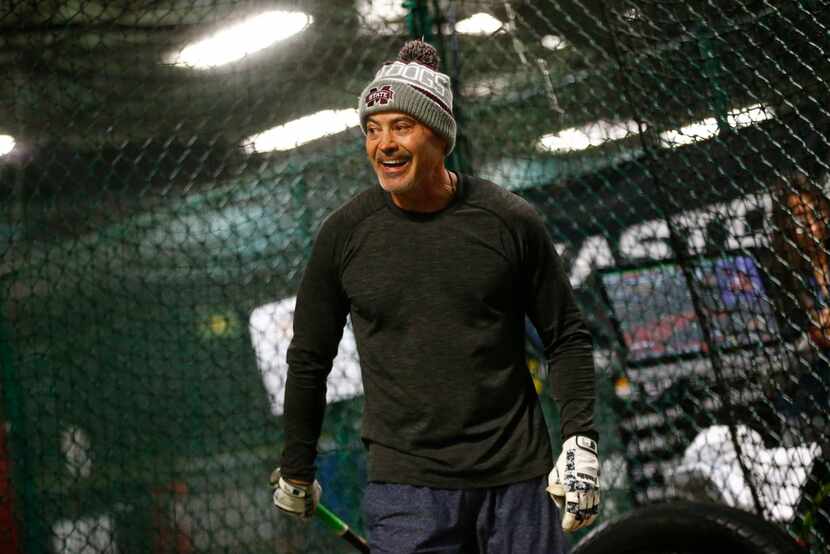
(152, 248)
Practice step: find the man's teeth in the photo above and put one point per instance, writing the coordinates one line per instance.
(394, 163)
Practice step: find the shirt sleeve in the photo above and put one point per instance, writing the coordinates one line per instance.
(319, 317)
(568, 344)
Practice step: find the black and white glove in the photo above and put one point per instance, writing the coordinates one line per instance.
(574, 483)
(298, 501)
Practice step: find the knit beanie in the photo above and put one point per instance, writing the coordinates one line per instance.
(412, 85)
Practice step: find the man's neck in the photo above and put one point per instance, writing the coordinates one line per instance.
(433, 197)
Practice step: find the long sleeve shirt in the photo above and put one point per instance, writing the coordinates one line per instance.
(437, 303)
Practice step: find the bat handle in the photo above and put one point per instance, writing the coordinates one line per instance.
(342, 529)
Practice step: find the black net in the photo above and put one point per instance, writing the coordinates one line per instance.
(160, 195)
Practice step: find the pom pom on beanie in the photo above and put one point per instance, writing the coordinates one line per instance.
(420, 52)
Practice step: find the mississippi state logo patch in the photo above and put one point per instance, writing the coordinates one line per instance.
(382, 95)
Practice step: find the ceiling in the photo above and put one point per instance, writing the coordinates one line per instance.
(89, 72)
(95, 107)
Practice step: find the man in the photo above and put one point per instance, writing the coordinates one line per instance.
(438, 271)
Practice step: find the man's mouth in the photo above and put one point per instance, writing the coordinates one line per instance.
(395, 165)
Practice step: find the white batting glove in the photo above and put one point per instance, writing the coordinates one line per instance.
(298, 501)
(574, 483)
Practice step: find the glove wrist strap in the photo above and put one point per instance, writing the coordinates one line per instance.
(296, 491)
(586, 443)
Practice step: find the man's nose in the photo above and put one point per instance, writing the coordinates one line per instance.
(387, 143)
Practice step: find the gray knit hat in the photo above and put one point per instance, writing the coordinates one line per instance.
(412, 85)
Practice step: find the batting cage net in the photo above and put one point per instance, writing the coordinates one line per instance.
(160, 191)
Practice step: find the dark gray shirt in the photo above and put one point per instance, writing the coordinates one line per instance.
(437, 302)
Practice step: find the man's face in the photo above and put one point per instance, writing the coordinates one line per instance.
(404, 153)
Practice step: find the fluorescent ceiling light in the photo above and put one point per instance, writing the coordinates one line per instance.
(632, 14)
(553, 42)
(303, 130)
(6, 144)
(570, 140)
(708, 128)
(238, 41)
(383, 17)
(488, 86)
(744, 117)
(478, 24)
(573, 139)
(700, 130)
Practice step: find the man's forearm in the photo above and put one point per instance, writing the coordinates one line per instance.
(305, 402)
(573, 384)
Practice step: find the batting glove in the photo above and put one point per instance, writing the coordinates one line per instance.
(298, 501)
(574, 483)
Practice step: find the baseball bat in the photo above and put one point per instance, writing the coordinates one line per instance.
(342, 529)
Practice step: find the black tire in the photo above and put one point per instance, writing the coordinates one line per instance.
(687, 528)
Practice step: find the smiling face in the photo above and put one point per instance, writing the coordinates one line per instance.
(407, 156)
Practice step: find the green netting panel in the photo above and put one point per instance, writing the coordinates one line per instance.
(679, 152)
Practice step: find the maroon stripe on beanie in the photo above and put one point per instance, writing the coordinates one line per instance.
(432, 97)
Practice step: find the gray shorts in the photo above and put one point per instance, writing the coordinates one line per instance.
(519, 518)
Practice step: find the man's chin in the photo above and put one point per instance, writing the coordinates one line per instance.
(394, 184)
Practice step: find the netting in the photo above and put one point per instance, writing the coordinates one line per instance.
(154, 236)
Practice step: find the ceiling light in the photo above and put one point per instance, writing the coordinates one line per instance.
(744, 117)
(383, 17)
(6, 144)
(708, 128)
(553, 42)
(487, 86)
(478, 24)
(303, 130)
(238, 41)
(596, 133)
(632, 14)
(700, 130)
